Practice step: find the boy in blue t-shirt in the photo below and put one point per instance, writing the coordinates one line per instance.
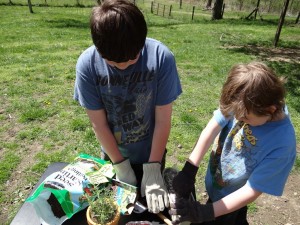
(127, 83)
(253, 153)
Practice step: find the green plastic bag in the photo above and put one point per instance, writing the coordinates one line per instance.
(61, 194)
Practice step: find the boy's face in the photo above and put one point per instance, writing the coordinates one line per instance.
(123, 65)
(254, 120)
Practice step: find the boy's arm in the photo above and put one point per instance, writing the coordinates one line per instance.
(184, 182)
(204, 142)
(195, 212)
(104, 134)
(235, 200)
(124, 171)
(153, 186)
(161, 132)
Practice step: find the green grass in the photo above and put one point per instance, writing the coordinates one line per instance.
(40, 122)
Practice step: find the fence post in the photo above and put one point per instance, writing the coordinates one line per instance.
(157, 8)
(170, 10)
(164, 11)
(193, 12)
(30, 6)
(152, 7)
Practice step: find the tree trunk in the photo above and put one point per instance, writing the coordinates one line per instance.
(281, 21)
(257, 7)
(270, 6)
(297, 19)
(208, 4)
(30, 6)
(217, 10)
(241, 4)
(291, 6)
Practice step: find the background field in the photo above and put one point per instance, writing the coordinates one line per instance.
(40, 123)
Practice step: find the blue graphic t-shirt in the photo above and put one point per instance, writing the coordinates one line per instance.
(261, 156)
(129, 96)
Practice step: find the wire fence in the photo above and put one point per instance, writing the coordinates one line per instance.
(183, 10)
(54, 3)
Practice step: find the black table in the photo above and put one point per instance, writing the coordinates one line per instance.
(27, 216)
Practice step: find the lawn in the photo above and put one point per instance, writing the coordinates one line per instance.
(40, 123)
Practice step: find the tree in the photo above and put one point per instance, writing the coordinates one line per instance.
(208, 4)
(217, 12)
(241, 4)
(281, 21)
(270, 6)
(255, 11)
(297, 19)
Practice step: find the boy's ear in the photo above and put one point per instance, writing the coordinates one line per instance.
(272, 109)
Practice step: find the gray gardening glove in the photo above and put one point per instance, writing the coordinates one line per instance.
(124, 172)
(191, 211)
(153, 188)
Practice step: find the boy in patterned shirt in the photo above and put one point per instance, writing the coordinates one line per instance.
(253, 153)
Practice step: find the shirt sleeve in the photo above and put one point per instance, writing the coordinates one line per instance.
(168, 86)
(272, 172)
(85, 89)
(220, 118)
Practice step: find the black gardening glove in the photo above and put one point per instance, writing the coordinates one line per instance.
(184, 182)
(192, 211)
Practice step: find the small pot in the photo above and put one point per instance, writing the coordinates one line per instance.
(113, 222)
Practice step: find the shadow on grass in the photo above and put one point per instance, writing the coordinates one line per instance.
(290, 70)
(176, 19)
(245, 22)
(286, 63)
(68, 23)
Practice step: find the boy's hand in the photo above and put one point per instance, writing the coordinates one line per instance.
(184, 182)
(192, 211)
(125, 173)
(154, 188)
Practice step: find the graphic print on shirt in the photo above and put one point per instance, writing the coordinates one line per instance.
(232, 156)
(128, 108)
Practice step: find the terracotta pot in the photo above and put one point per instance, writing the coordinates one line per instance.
(113, 222)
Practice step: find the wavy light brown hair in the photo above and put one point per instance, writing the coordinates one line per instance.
(118, 30)
(252, 87)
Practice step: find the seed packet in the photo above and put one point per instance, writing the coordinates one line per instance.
(125, 195)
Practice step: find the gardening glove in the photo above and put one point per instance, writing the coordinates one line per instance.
(168, 176)
(184, 182)
(125, 173)
(192, 211)
(153, 188)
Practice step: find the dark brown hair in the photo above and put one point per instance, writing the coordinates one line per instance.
(118, 30)
(252, 87)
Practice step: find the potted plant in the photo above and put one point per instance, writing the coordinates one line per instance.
(102, 208)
